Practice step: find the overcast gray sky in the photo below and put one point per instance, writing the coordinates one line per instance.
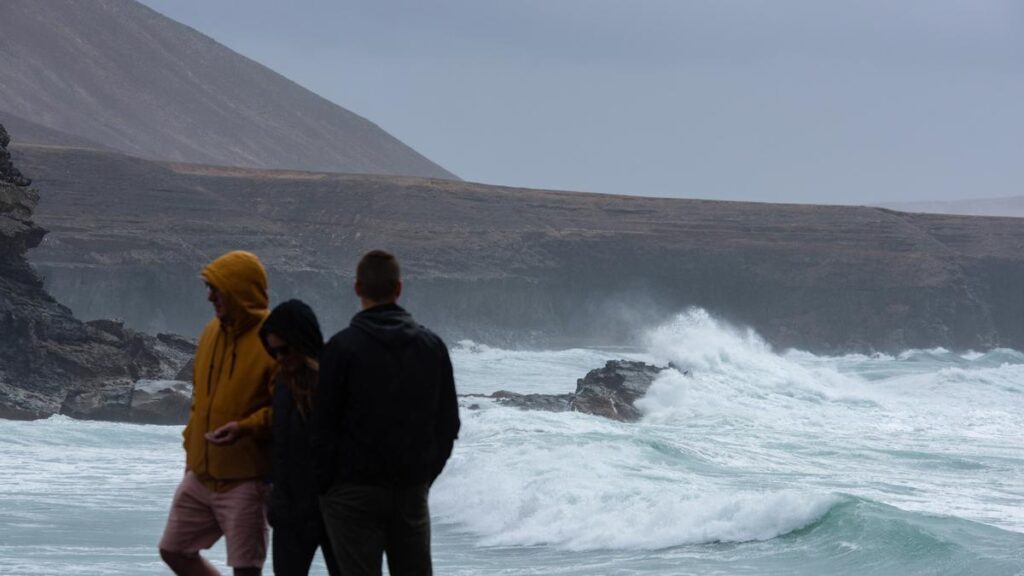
(771, 100)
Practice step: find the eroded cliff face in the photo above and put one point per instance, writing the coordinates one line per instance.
(50, 362)
(524, 267)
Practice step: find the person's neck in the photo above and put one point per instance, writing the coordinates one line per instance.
(367, 304)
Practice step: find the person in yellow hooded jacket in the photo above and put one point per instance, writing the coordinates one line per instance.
(227, 439)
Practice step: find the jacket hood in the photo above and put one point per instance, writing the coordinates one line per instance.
(240, 276)
(294, 322)
(389, 324)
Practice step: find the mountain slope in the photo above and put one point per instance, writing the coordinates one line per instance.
(121, 74)
(38, 134)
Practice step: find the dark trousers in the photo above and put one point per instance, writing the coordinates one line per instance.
(295, 544)
(366, 522)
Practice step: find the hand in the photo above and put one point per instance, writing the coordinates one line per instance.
(225, 435)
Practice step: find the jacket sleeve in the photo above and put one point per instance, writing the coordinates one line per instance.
(258, 423)
(323, 420)
(448, 423)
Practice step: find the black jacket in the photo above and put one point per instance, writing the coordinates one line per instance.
(294, 498)
(386, 412)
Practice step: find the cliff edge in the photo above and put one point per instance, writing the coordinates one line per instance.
(51, 363)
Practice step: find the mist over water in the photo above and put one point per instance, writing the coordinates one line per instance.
(756, 462)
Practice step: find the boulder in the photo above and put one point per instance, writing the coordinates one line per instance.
(110, 400)
(161, 402)
(608, 392)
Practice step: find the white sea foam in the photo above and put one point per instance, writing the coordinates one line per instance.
(582, 483)
(766, 435)
(752, 445)
(734, 374)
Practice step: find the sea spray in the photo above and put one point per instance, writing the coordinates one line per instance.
(733, 374)
(483, 369)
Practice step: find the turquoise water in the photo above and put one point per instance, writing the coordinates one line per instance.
(760, 462)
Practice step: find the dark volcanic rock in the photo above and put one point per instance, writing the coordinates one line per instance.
(50, 362)
(155, 391)
(8, 173)
(609, 392)
(544, 402)
(107, 400)
(161, 402)
(185, 373)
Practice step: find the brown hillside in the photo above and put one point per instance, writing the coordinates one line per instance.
(120, 74)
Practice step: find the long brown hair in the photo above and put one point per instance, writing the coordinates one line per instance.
(302, 385)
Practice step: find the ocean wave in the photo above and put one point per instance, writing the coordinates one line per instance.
(863, 536)
(588, 516)
(733, 372)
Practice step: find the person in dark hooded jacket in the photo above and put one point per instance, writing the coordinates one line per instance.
(384, 423)
(291, 335)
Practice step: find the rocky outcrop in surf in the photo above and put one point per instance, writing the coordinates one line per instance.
(52, 363)
(609, 392)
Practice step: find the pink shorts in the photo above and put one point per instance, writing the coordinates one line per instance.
(199, 517)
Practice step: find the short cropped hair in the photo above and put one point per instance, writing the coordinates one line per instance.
(378, 276)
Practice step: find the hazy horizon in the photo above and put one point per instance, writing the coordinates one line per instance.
(795, 101)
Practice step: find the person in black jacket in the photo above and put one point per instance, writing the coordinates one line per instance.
(384, 422)
(291, 335)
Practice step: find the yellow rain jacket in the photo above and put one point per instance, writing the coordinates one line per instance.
(232, 378)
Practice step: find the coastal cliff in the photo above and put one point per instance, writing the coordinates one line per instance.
(524, 267)
(52, 363)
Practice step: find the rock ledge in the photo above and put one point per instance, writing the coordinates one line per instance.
(609, 392)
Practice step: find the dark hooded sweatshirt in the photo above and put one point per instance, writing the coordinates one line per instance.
(386, 412)
(294, 496)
